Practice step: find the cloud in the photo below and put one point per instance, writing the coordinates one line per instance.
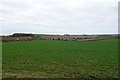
(58, 16)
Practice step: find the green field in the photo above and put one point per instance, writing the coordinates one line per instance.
(60, 59)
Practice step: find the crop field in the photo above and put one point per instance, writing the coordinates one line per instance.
(60, 59)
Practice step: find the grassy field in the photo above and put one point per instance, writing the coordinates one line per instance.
(60, 59)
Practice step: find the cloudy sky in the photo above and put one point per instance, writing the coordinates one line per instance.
(59, 16)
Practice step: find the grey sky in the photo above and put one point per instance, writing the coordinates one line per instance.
(59, 16)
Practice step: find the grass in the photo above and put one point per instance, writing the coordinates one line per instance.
(60, 59)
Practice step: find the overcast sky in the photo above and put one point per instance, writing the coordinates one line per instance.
(59, 16)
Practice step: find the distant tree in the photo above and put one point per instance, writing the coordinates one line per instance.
(21, 34)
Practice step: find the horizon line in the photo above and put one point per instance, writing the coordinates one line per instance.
(64, 33)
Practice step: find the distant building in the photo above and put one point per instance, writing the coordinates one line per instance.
(66, 35)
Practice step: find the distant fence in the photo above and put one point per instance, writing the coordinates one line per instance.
(71, 38)
(8, 39)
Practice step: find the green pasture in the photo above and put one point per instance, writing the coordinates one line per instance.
(60, 59)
